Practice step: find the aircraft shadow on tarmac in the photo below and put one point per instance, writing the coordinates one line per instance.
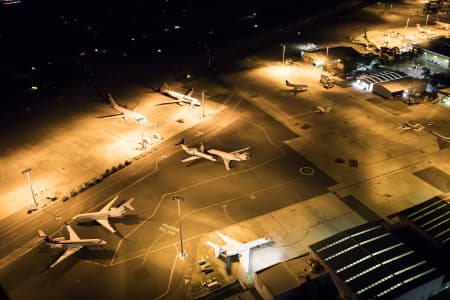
(98, 254)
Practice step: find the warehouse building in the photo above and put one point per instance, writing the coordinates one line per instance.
(404, 87)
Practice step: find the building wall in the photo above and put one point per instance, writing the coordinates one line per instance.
(415, 87)
(424, 291)
(263, 291)
(439, 59)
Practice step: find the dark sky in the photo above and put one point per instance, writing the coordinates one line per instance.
(66, 39)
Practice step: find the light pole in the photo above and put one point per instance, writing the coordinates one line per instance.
(27, 173)
(407, 23)
(284, 51)
(181, 255)
(426, 22)
(203, 105)
(142, 135)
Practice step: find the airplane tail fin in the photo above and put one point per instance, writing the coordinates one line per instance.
(202, 147)
(164, 88)
(180, 142)
(43, 235)
(217, 249)
(111, 100)
(128, 204)
(287, 82)
(189, 92)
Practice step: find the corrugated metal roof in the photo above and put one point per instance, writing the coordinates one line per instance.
(432, 218)
(373, 262)
(381, 77)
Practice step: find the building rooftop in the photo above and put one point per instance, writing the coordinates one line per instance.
(381, 77)
(335, 53)
(288, 275)
(431, 218)
(440, 46)
(401, 84)
(373, 262)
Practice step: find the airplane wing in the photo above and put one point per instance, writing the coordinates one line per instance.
(229, 241)
(111, 116)
(73, 236)
(105, 223)
(226, 162)
(190, 158)
(244, 259)
(240, 150)
(110, 203)
(169, 102)
(66, 254)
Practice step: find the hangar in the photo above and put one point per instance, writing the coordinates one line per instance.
(367, 81)
(405, 87)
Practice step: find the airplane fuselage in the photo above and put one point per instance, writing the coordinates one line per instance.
(130, 114)
(195, 152)
(229, 156)
(247, 246)
(75, 244)
(184, 98)
(114, 212)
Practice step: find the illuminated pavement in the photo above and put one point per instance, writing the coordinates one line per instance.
(268, 181)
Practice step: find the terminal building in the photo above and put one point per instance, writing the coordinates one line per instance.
(372, 262)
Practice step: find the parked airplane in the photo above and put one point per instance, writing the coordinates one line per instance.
(441, 137)
(71, 245)
(195, 153)
(180, 98)
(233, 247)
(105, 213)
(125, 113)
(227, 157)
(411, 125)
(297, 87)
(321, 109)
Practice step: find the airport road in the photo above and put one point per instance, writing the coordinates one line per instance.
(141, 261)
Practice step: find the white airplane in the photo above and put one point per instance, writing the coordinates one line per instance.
(441, 137)
(125, 113)
(105, 213)
(71, 245)
(195, 153)
(297, 87)
(180, 98)
(321, 109)
(411, 125)
(227, 157)
(233, 247)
